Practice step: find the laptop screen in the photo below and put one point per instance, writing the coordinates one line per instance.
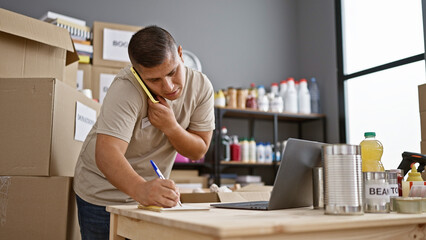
(293, 183)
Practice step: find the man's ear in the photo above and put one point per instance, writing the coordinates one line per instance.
(180, 52)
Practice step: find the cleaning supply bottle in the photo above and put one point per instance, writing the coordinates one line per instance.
(219, 99)
(252, 150)
(226, 144)
(260, 152)
(371, 153)
(268, 152)
(304, 97)
(245, 151)
(315, 96)
(290, 101)
(413, 175)
(235, 149)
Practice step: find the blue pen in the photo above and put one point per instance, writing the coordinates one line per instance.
(160, 175)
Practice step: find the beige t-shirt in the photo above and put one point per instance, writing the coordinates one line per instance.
(124, 115)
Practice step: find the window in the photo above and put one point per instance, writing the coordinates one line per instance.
(382, 63)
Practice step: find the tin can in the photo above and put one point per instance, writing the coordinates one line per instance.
(392, 179)
(318, 187)
(343, 186)
(376, 192)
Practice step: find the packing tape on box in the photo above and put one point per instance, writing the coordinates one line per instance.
(4, 188)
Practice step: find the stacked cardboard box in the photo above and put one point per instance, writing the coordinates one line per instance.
(422, 109)
(110, 42)
(43, 120)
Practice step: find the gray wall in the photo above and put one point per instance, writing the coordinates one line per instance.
(238, 41)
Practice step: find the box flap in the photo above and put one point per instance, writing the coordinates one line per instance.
(36, 30)
(72, 56)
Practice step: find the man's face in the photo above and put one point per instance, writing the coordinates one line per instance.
(167, 79)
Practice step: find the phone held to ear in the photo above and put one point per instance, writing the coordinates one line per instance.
(136, 74)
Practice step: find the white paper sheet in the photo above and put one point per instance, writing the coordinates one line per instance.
(105, 81)
(85, 118)
(115, 45)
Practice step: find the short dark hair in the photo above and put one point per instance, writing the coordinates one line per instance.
(151, 45)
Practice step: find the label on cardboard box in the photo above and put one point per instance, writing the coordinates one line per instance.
(80, 76)
(85, 118)
(105, 81)
(115, 44)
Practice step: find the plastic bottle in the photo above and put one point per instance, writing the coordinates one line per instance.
(290, 102)
(244, 150)
(278, 152)
(268, 152)
(413, 175)
(283, 89)
(253, 89)
(274, 89)
(260, 152)
(371, 153)
(226, 143)
(263, 103)
(219, 100)
(260, 91)
(235, 149)
(277, 104)
(315, 96)
(304, 97)
(252, 150)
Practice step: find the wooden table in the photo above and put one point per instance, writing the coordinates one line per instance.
(301, 223)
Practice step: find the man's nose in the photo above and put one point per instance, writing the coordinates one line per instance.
(168, 84)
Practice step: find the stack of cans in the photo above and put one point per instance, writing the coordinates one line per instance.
(343, 183)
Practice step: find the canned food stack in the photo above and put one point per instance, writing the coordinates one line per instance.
(343, 186)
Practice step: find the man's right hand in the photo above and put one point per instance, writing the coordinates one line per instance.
(158, 192)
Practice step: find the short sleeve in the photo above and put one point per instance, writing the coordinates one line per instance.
(120, 110)
(202, 118)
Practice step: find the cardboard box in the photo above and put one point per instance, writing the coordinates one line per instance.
(71, 74)
(38, 208)
(423, 147)
(110, 42)
(422, 98)
(423, 125)
(42, 52)
(38, 126)
(84, 76)
(102, 78)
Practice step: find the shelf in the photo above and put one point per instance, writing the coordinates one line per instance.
(251, 164)
(192, 165)
(257, 114)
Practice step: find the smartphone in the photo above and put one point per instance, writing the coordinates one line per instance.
(136, 74)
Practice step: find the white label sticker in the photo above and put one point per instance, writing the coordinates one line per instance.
(115, 44)
(145, 122)
(393, 190)
(80, 79)
(85, 118)
(377, 191)
(105, 81)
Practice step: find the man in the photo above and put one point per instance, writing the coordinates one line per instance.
(113, 166)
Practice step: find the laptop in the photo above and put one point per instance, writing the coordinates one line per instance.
(293, 183)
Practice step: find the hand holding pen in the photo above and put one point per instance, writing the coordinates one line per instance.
(160, 175)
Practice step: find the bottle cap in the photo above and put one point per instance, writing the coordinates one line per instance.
(369, 134)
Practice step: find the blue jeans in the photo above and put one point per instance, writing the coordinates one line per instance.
(93, 220)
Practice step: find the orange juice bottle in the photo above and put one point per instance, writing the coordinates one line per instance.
(371, 153)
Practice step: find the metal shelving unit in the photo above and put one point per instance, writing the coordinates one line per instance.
(252, 115)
